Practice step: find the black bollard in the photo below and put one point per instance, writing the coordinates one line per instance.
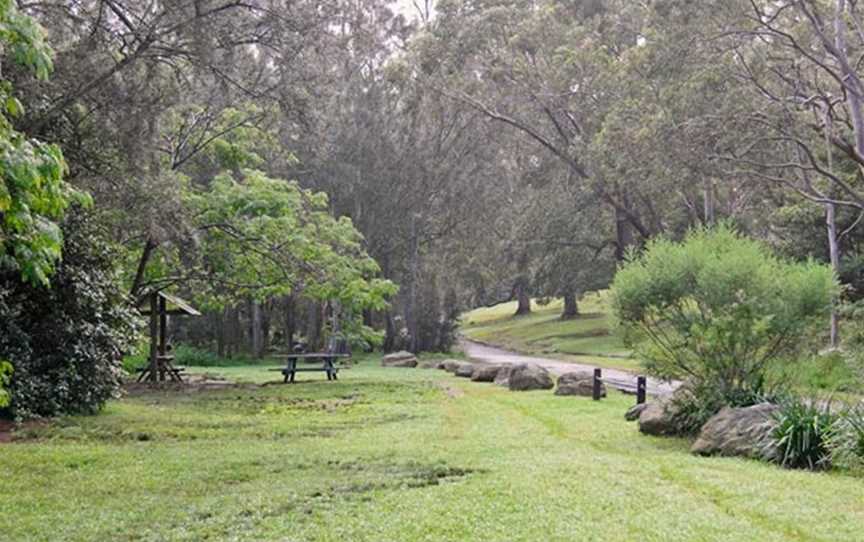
(597, 383)
(641, 387)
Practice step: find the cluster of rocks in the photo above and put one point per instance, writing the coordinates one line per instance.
(739, 432)
(516, 377)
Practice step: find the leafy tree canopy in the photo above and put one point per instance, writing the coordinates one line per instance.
(33, 195)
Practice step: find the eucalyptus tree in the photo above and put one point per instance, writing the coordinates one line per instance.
(806, 132)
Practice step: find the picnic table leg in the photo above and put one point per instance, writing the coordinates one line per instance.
(332, 363)
(292, 367)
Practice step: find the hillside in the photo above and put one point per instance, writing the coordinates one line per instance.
(588, 338)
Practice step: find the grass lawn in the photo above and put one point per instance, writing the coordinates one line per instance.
(395, 455)
(587, 338)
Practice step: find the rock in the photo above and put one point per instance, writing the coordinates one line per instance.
(464, 370)
(529, 376)
(744, 432)
(485, 373)
(578, 383)
(656, 419)
(633, 412)
(503, 376)
(399, 359)
(429, 365)
(450, 365)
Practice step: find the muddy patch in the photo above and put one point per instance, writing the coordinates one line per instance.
(359, 480)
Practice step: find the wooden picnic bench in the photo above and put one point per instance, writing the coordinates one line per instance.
(164, 367)
(335, 350)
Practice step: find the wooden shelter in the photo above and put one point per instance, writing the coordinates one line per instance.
(161, 366)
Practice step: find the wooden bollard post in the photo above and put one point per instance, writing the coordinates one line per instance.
(641, 387)
(597, 384)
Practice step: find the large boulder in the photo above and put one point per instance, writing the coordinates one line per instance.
(578, 383)
(529, 376)
(503, 376)
(464, 370)
(450, 365)
(656, 419)
(745, 432)
(485, 373)
(399, 359)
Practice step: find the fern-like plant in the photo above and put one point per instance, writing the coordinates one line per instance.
(801, 436)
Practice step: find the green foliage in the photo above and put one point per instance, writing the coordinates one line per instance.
(263, 238)
(33, 195)
(65, 341)
(833, 371)
(718, 309)
(802, 434)
(846, 440)
(5, 376)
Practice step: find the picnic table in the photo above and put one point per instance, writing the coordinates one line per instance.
(327, 364)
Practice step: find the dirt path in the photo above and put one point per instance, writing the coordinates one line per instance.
(618, 379)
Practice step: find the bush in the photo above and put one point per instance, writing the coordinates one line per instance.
(65, 341)
(802, 435)
(717, 310)
(5, 376)
(846, 440)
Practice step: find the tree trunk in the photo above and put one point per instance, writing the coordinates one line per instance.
(290, 323)
(709, 202)
(220, 333)
(257, 329)
(313, 325)
(411, 316)
(623, 234)
(571, 307)
(523, 300)
(389, 333)
(137, 283)
(834, 250)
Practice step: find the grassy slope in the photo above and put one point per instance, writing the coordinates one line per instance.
(586, 338)
(387, 454)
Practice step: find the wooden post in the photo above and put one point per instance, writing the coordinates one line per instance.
(154, 338)
(641, 387)
(163, 335)
(163, 327)
(597, 384)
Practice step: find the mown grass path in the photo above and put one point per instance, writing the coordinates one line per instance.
(391, 455)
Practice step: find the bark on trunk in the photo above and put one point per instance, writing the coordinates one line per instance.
(571, 307)
(220, 333)
(708, 195)
(834, 251)
(623, 234)
(257, 330)
(523, 300)
(289, 322)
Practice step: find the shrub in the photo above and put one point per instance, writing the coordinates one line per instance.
(846, 440)
(5, 376)
(802, 434)
(718, 309)
(66, 340)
